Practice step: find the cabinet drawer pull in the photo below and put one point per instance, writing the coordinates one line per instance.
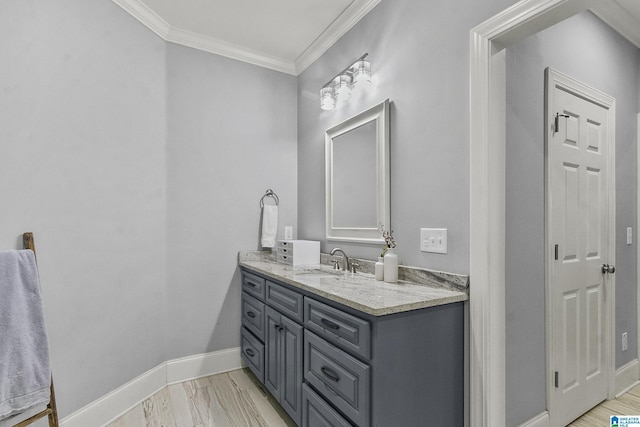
(278, 328)
(251, 284)
(329, 324)
(329, 373)
(249, 352)
(251, 314)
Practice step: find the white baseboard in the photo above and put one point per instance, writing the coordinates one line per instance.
(541, 420)
(627, 377)
(202, 365)
(124, 398)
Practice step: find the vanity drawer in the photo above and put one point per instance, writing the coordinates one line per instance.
(253, 315)
(317, 413)
(252, 352)
(254, 285)
(285, 258)
(339, 328)
(284, 244)
(340, 378)
(287, 301)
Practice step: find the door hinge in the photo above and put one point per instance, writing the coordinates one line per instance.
(556, 125)
(556, 252)
(555, 380)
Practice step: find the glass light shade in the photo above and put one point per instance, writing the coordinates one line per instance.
(361, 74)
(342, 87)
(327, 98)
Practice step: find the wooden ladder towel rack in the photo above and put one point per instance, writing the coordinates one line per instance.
(51, 409)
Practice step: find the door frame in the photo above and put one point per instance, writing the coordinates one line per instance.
(554, 78)
(487, 111)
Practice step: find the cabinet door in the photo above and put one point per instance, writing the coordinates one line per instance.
(272, 363)
(283, 362)
(291, 366)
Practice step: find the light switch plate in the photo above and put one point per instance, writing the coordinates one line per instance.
(433, 240)
(629, 235)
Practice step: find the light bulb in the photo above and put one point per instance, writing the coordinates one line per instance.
(342, 87)
(361, 74)
(327, 98)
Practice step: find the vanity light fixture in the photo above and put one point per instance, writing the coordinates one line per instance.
(338, 89)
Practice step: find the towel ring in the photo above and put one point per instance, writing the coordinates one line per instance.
(271, 194)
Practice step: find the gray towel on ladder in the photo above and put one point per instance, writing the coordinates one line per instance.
(25, 374)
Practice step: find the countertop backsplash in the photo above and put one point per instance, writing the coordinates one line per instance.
(417, 275)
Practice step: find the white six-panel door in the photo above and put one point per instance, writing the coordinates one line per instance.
(579, 235)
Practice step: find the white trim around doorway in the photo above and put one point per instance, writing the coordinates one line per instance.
(487, 194)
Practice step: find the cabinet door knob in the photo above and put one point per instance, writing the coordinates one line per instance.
(249, 352)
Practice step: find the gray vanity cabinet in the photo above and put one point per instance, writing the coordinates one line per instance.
(331, 365)
(272, 339)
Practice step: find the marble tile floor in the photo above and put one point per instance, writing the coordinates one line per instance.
(231, 399)
(236, 399)
(627, 404)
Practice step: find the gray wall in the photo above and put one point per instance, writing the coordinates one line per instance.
(419, 51)
(82, 166)
(590, 51)
(231, 135)
(137, 219)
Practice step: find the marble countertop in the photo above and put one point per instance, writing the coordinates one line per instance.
(361, 291)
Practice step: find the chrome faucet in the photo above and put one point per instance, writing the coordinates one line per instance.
(346, 258)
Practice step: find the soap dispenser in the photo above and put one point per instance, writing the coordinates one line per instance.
(379, 268)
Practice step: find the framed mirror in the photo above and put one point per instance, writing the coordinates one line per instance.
(357, 177)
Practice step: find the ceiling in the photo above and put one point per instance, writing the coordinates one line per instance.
(285, 35)
(289, 35)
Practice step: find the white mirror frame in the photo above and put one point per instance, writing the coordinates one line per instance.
(380, 115)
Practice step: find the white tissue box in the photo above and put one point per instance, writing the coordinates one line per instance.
(298, 252)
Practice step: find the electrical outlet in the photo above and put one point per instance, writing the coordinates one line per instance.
(625, 342)
(288, 233)
(433, 240)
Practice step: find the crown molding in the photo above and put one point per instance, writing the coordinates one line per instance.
(146, 16)
(338, 28)
(356, 11)
(162, 28)
(616, 16)
(229, 50)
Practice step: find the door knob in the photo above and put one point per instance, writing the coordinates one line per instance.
(607, 268)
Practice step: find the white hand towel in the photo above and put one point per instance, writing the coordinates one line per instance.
(25, 374)
(269, 226)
